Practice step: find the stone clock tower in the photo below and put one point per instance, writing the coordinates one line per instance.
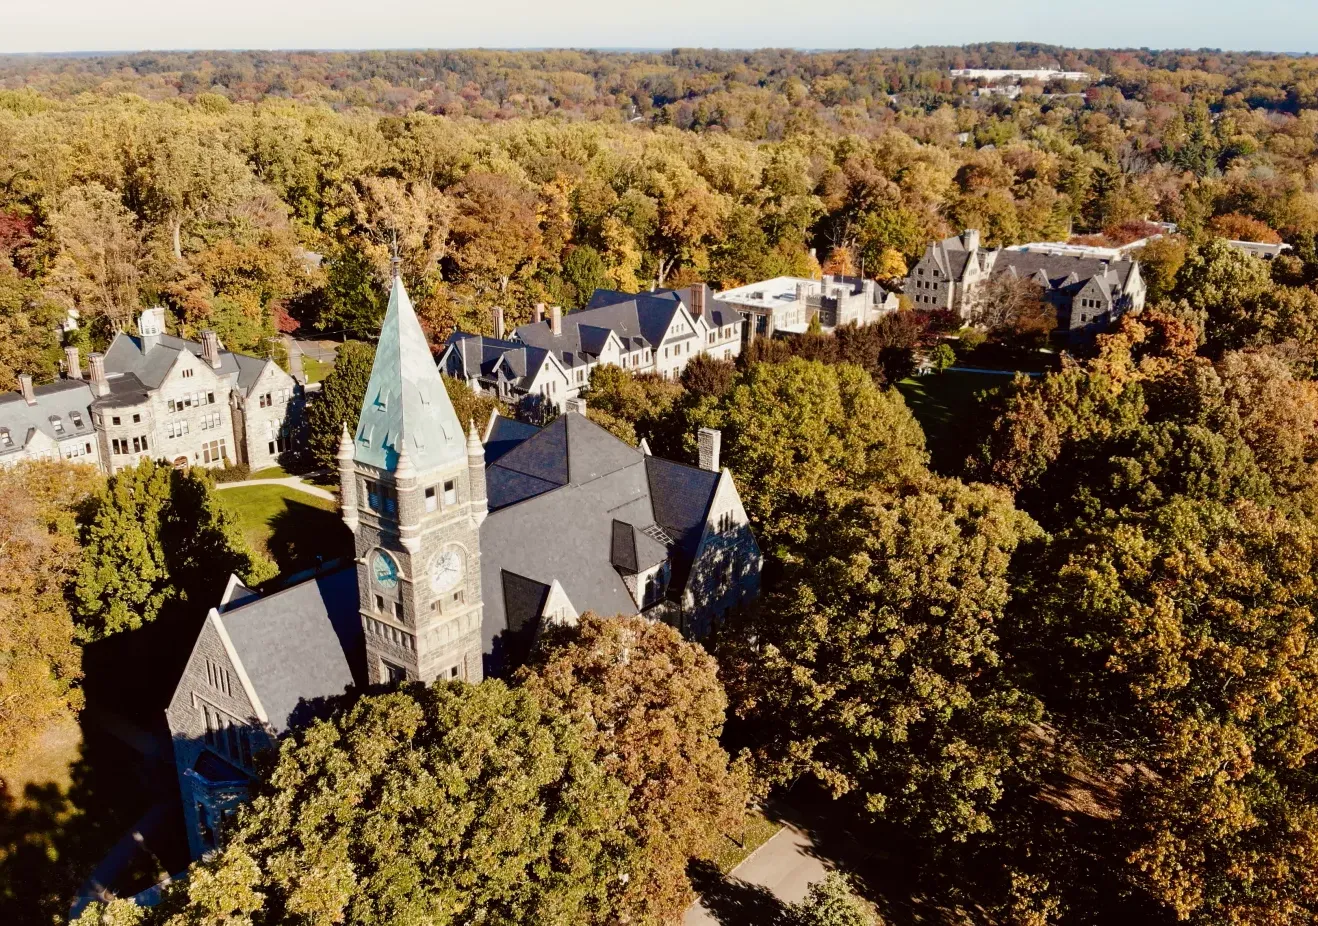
(413, 494)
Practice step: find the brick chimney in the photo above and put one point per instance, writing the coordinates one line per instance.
(25, 386)
(96, 370)
(556, 320)
(72, 366)
(698, 300)
(539, 312)
(210, 348)
(498, 322)
(710, 442)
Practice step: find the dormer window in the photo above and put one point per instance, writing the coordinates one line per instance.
(5, 439)
(57, 423)
(77, 419)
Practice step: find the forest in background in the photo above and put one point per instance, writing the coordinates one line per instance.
(258, 192)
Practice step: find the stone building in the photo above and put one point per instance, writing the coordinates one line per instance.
(158, 396)
(1087, 292)
(550, 360)
(466, 545)
(789, 304)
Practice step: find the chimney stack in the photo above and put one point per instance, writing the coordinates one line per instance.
(539, 312)
(698, 300)
(498, 322)
(710, 441)
(96, 369)
(210, 348)
(25, 384)
(970, 237)
(72, 366)
(556, 320)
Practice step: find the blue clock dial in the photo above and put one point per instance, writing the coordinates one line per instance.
(386, 571)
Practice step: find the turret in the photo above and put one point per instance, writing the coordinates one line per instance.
(476, 474)
(347, 480)
(405, 481)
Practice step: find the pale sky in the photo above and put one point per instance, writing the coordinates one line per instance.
(116, 25)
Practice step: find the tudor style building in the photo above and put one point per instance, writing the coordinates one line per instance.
(152, 395)
(466, 545)
(550, 360)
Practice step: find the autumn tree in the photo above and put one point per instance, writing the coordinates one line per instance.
(795, 432)
(651, 708)
(446, 804)
(41, 662)
(100, 256)
(338, 403)
(151, 536)
(830, 902)
(495, 230)
(875, 666)
(1013, 309)
(28, 340)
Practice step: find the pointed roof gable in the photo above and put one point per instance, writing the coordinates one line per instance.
(406, 399)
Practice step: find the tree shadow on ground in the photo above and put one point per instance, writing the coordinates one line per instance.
(51, 839)
(917, 883)
(732, 901)
(304, 536)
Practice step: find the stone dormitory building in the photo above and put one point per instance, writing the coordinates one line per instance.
(466, 545)
(549, 361)
(1087, 292)
(153, 395)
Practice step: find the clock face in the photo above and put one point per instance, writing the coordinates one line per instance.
(445, 570)
(386, 571)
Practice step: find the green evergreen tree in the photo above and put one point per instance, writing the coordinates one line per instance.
(584, 272)
(339, 402)
(830, 902)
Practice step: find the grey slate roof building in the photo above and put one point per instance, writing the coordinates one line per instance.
(1086, 292)
(465, 547)
(155, 395)
(549, 361)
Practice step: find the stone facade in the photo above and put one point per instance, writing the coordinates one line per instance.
(413, 530)
(155, 396)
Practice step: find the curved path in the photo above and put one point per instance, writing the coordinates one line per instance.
(290, 482)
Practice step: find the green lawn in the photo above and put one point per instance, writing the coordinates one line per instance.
(270, 472)
(944, 404)
(315, 370)
(758, 830)
(291, 527)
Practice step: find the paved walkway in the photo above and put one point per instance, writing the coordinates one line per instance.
(777, 873)
(291, 482)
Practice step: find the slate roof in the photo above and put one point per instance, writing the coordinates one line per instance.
(1059, 269)
(639, 321)
(406, 402)
(149, 368)
(299, 644)
(574, 503)
(503, 435)
(61, 399)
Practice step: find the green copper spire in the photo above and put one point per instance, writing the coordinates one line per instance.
(406, 402)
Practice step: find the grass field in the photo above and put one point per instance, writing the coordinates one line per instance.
(270, 472)
(758, 830)
(314, 370)
(945, 406)
(293, 528)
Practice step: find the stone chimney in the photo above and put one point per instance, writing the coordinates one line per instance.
(96, 370)
(150, 326)
(698, 300)
(498, 322)
(970, 238)
(577, 404)
(72, 366)
(25, 386)
(539, 312)
(803, 291)
(710, 442)
(556, 320)
(210, 348)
